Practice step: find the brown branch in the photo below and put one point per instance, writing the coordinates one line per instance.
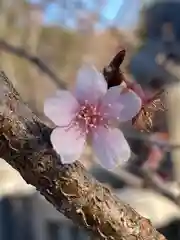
(25, 145)
(22, 53)
(112, 74)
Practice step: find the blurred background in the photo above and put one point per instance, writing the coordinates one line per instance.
(42, 44)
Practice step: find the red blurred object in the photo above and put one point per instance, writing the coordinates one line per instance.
(156, 153)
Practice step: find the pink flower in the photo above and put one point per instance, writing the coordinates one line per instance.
(90, 113)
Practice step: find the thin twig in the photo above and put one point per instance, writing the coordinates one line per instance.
(20, 52)
(165, 145)
(153, 181)
(148, 179)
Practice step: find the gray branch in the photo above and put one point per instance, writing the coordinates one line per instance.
(25, 145)
(23, 53)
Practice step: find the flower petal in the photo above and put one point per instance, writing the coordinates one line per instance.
(110, 147)
(61, 108)
(68, 143)
(91, 84)
(121, 103)
(112, 95)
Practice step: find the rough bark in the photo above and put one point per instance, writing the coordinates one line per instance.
(25, 145)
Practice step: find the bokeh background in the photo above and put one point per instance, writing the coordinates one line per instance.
(42, 44)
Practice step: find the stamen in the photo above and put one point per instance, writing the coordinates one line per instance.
(88, 118)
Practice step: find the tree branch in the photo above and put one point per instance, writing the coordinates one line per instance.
(20, 52)
(25, 145)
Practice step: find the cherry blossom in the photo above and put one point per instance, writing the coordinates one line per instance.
(91, 113)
